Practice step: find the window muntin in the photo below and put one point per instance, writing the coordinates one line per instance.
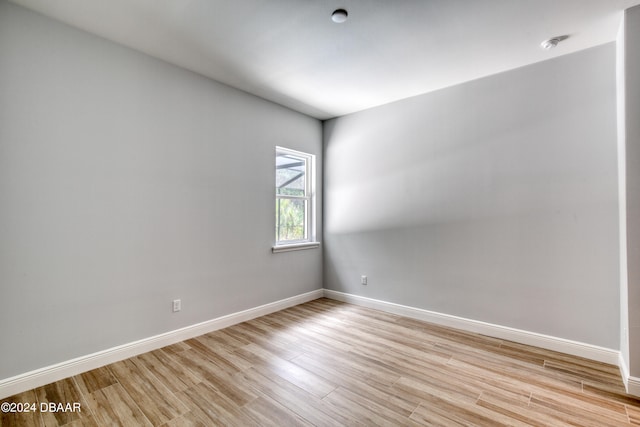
(294, 197)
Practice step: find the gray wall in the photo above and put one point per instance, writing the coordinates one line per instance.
(126, 182)
(632, 178)
(495, 200)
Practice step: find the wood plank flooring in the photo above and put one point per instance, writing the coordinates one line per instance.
(327, 363)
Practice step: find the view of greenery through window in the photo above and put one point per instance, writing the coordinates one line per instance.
(290, 219)
(291, 206)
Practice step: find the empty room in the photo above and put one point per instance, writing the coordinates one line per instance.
(319, 212)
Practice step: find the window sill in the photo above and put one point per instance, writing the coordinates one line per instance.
(295, 247)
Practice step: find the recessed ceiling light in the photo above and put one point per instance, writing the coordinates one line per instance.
(339, 16)
(552, 42)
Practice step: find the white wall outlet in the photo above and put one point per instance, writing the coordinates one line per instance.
(177, 305)
(363, 280)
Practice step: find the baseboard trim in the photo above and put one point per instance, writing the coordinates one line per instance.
(49, 374)
(624, 371)
(56, 372)
(633, 386)
(574, 348)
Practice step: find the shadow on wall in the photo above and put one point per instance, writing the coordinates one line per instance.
(495, 200)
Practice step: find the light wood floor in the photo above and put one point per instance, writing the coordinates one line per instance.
(329, 363)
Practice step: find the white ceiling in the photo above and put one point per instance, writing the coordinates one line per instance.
(290, 52)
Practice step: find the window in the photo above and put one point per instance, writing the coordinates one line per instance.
(295, 227)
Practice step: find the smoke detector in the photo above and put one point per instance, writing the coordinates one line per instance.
(552, 42)
(339, 16)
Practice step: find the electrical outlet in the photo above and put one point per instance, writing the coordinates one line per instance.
(177, 305)
(363, 280)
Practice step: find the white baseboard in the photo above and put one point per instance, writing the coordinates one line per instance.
(631, 384)
(46, 375)
(49, 374)
(624, 371)
(574, 348)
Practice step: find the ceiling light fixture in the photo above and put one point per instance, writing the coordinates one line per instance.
(339, 16)
(552, 42)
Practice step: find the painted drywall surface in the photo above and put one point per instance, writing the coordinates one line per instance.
(495, 200)
(125, 183)
(632, 156)
(622, 194)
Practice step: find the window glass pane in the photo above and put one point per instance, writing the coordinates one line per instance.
(290, 175)
(294, 201)
(290, 219)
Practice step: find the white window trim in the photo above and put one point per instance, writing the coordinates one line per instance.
(295, 247)
(311, 242)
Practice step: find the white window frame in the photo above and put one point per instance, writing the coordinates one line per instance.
(310, 241)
